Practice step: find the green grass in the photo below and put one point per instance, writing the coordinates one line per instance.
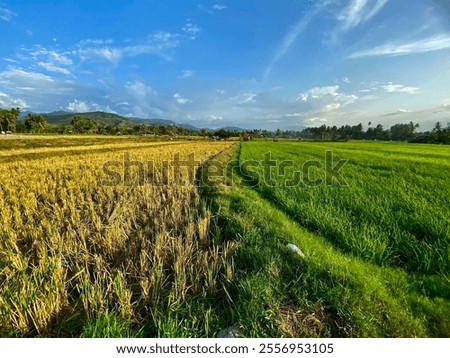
(394, 210)
(348, 284)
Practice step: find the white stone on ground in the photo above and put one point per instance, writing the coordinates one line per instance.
(296, 249)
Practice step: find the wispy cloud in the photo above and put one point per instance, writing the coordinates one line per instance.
(393, 88)
(112, 55)
(28, 83)
(85, 106)
(140, 89)
(53, 68)
(16, 76)
(6, 14)
(358, 12)
(219, 7)
(399, 112)
(314, 121)
(49, 60)
(213, 118)
(328, 97)
(429, 44)
(248, 97)
(7, 101)
(191, 29)
(158, 43)
(275, 117)
(78, 106)
(212, 9)
(180, 99)
(140, 100)
(186, 74)
(291, 36)
(62, 61)
(330, 92)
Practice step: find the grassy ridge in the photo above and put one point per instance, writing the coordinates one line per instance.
(333, 291)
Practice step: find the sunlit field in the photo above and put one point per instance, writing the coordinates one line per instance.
(374, 232)
(128, 237)
(82, 255)
(391, 208)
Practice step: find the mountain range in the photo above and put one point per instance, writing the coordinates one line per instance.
(114, 120)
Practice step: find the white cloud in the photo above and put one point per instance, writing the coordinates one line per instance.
(328, 93)
(50, 60)
(446, 103)
(248, 97)
(346, 80)
(82, 106)
(6, 14)
(398, 112)
(220, 91)
(191, 29)
(157, 43)
(290, 37)
(278, 116)
(53, 68)
(211, 10)
(328, 97)
(95, 42)
(19, 77)
(139, 89)
(78, 106)
(219, 7)
(319, 92)
(7, 101)
(186, 74)
(213, 118)
(141, 99)
(331, 107)
(358, 12)
(180, 99)
(95, 54)
(52, 56)
(393, 88)
(429, 44)
(314, 121)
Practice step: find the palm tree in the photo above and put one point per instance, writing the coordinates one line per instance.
(33, 121)
(8, 118)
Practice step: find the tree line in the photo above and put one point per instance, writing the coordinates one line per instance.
(36, 123)
(398, 132)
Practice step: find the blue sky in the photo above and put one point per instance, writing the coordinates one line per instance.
(254, 64)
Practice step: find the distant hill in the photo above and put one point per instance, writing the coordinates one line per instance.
(233, 129)
(157, 121)
(107, 119)
(189, 126)
(102, 118)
